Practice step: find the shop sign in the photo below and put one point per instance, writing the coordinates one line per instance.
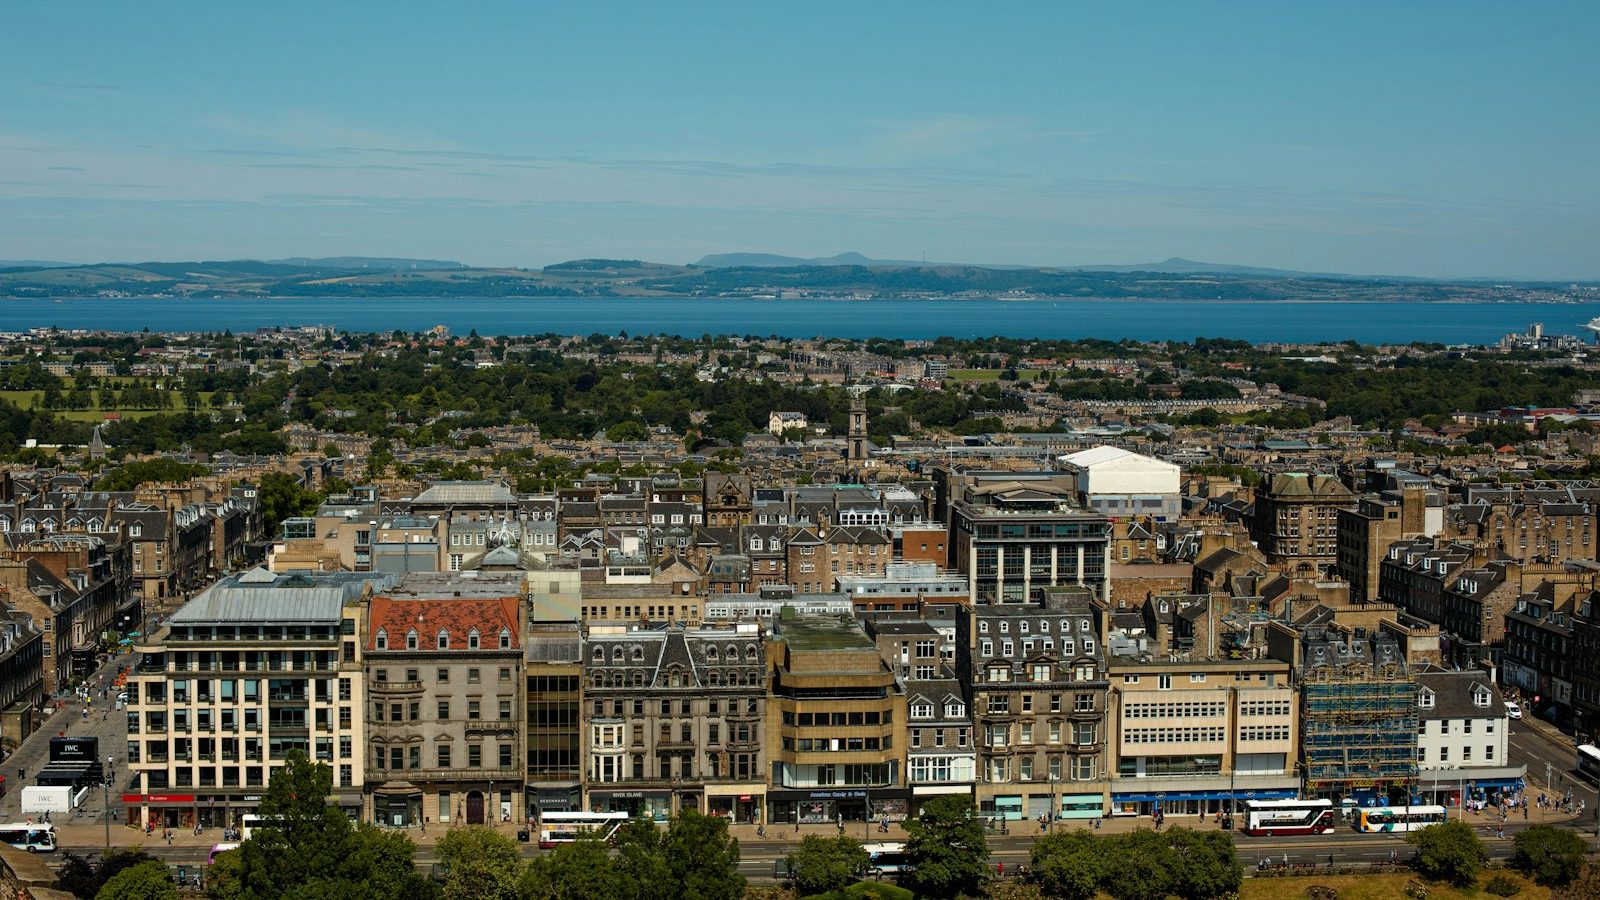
(157, 798)
(837, 795)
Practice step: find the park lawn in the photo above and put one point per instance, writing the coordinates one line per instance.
(26, 399)
(992, 374)
(1380, 887)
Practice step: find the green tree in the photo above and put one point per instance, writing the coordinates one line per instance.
(1551, 856)
(84, 877)
(312, 851)
(1205, 865)
(947, 846)
(1139, 866)
(1449, 852)
(1068, 865)
(280, 496)
(631, 430)
(148, 880)
(130, 476)
(694, 856)
(580, 870)
(822, 864)
(480, 864)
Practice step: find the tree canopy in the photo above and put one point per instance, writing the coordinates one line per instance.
(147, 880)
(947, 845)
(1449, 852)
(1550, 855)
(822, 864)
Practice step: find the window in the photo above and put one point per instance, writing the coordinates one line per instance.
(472, 639)
(411, 639)
(472, 676)
(505, 639)
(444, 710)
(444, 639)
(1164, 682)
(382, 640)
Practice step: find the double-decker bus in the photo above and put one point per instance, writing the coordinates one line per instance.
(1589, 763)
(1274, 817)
(35, 838)
(1384, 819)
(565, 827)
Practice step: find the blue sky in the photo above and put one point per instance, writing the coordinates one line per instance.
(1418, 138)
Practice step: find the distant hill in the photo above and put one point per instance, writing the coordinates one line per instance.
(373, 263)
(32, 264)
(775, 261)
(1175, 265)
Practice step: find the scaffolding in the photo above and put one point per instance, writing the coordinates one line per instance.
(1358, 727)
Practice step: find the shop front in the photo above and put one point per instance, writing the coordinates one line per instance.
(1082, 806)
(155, 811)
(1002, 808)
(1449, 787)
(655, 805)
(740, 804)
(815, 807)
(555, 798)
(1188, 803)
(397, 804)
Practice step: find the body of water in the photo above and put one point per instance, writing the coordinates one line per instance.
(1450, 323)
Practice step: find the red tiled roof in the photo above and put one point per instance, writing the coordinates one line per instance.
(457, 615)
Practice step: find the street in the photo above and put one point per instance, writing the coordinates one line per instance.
(1539, 744)
(105, 722)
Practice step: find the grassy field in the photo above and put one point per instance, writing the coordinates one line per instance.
(26, 399)
(992, 374)
(1376, 887)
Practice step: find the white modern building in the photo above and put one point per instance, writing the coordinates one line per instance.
(1119, 482)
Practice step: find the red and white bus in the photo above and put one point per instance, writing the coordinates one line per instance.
(1274, 817)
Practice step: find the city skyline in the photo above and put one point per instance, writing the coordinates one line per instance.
(1359, 139)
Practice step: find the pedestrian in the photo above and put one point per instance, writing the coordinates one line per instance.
(1330, 860)
(1000, 869)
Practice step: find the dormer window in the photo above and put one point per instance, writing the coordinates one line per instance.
(955, 710)
(1480, 698)
(382, 640)
(472, 639)
(411, 639)
(444, 639)
(922, 711)
(1425, 699)
(505, 639)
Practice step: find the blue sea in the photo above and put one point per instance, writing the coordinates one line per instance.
(1450, 323)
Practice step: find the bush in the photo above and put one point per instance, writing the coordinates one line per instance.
(1322, 892)
(866, 890)
(1551, 856)
(1503, 885)
(1449, 852)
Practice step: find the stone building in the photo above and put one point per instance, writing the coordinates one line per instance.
(1036, 680)
(445, 728)
(674, 718)
(1296, 520)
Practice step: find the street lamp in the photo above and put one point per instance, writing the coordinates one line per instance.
(105, 783)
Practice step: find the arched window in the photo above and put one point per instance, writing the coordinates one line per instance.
(711, 653)
(750, 652)
(382, 642)
(444, 639)
(599, 655)
(411, 639)
(472, 639)
(616, 655)
(638, 653)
